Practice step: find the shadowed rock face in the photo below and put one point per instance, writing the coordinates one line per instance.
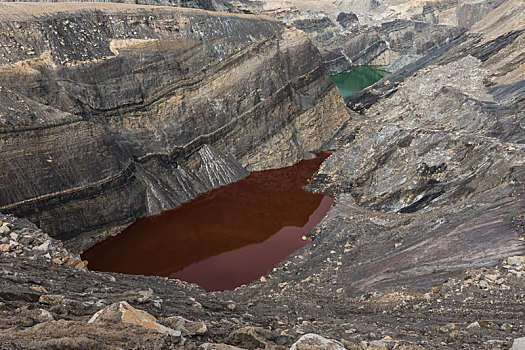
(107, 108)
(370, 32)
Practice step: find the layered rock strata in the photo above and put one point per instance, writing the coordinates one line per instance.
(388, 33)
(417, 253)
(107, 108)
(369, 32)
(436, 160)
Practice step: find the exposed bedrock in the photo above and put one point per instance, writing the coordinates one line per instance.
(211, 5)
(359, 32)
(364, 32)
(392, 43)
(108, 107)
(435, 163)
(423, 248)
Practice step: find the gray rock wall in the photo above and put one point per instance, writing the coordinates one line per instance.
(126, 96)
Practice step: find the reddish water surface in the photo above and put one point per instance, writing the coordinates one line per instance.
(223, 238)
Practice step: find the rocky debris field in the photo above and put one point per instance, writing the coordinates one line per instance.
(19, 238)
(47, 305)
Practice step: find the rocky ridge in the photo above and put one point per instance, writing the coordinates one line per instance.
(387, 33)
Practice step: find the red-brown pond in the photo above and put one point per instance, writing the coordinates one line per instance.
(223, 238)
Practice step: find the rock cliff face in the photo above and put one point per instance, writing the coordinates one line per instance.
(387, 33)
(370, 32)
(107, 108)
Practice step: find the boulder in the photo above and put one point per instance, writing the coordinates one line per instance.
(4, 229)
(519, 344)
(250, 337)
(52, 299)
(186, 327)
(124, 312)
(313, 341)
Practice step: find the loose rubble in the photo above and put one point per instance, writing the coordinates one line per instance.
(461, 310)
(20, 239)
(423, 249)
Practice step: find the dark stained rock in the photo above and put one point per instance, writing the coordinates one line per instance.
(347, 19)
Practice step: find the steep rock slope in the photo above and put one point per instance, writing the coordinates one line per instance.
(107, 106)
(390, 33)
(437, 160)
(387, 33)
(429, 185)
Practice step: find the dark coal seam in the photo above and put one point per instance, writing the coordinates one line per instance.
(204, 73)
(32, 204)
(128, 170)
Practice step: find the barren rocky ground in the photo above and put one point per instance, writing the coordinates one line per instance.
(111, 112)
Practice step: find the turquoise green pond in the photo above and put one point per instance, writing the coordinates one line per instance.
(357, 79)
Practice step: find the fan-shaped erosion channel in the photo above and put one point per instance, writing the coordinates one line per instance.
(224, 238)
